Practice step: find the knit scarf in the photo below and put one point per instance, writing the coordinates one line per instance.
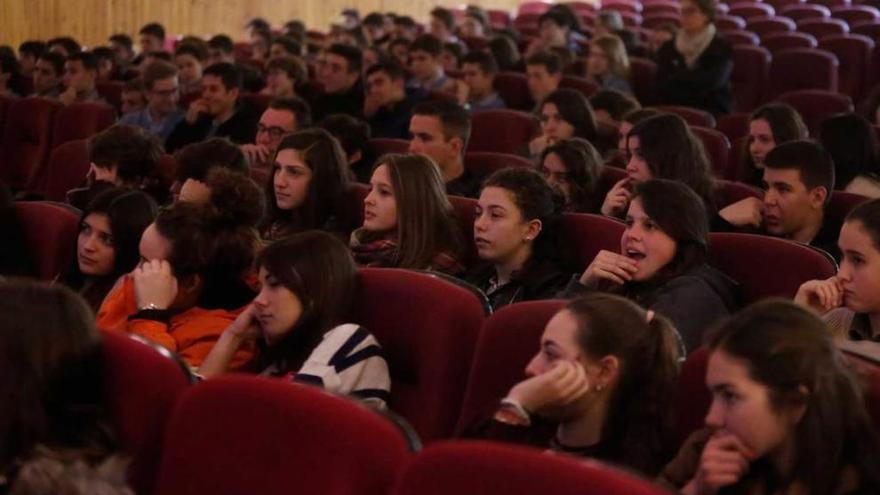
(692, 46)
(368, 250)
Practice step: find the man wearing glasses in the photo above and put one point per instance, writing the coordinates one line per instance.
(161, 114)
(282, 117)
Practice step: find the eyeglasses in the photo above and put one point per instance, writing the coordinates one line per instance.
(275, 132)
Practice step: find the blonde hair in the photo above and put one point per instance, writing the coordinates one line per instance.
(613, 46)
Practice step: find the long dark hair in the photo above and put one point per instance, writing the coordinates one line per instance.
(52, 377)
(790, 351)
(323, 154)
(575, 109)
(426, 224)
(583, 166)
(785, 123)
(319, 269)
(672, 151)
(639, 415)
(851, 141)
(129, 213)
(680, 213)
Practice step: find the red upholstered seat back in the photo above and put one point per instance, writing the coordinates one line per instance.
(816, 105)
(67, 169)
(717, 148)
(509, 339)
(729, 192)
(514, 90)
(777, 42)
(26, 140)
(50, 232)
(466, 213)
(693, 116)
(428, 328)
(81, 121)
(853, 51)
(793, 264)
(239, 434)
(484, 163)
(477, 468)
(142, 386)
(840, 204)
(501, 131)
(802, 68)
(381, 146)
(587, 234)
(642, 75)
(751, 65)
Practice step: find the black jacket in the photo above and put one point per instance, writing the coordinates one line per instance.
(349, 103)
(393, 121)
(693, 301)
(241, 128)
(539, 280)
(706, 86)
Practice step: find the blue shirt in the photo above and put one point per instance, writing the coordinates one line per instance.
(161, 128)
(491, 102)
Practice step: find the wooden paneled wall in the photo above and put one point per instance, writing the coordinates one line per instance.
(92, 21)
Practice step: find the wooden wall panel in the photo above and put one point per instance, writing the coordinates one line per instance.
(92, 21)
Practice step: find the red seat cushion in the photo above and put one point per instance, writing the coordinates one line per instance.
(501, 131)
(51, 232)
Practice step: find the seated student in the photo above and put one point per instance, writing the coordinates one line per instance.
(852, 144)
(298, 321)
(194, 162)
(398, 48)
(770, 125)
(221, 48)
(48, 73)
(123, 51)
(850, 300)
(190, 284)
(564, 113)
(441, 130)
(450, 56)
(56, 431)
(442, 25)
(694, 69)
(339, 72)
(424, 63)
(354, 136)
(134, 98)
(285, 77)
(405, 27)
(663, 147)
(283, 116)
(189, 57)
(620, 157)
(110, 229)
(388, 105)
(307, 187)
(662, 261)
(151, 39)
(777, 380)
(506, 53)
(516, 232)
(107, 70)
(218, 113)
(598, 387)
(658, 36)
(573, 166)
(261, 41)
(544, 72)
(477, 91)
(124, 156)
(608, 64)
(64, 46)
(475, 23)
(798, 178)
(610, 106)
(554, 30)
(375, 26)
(285, 46)
(10, 78)
(161, 115)
(408, 220)
(80, 76)
(28, 54)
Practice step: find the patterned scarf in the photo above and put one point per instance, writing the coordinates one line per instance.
(369, 249)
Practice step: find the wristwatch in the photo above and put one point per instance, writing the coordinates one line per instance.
(149, 306)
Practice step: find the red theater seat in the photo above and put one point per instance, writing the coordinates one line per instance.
(501, 131)
(821, 28)
(112, 92)
(587, 234)
(840, 204)
(26, 140)
(853, 14)
(472, 468)
(81, 121)
(817, 105)
(428, 328)
(747, 10)
(50, 232)
(242, 434)
(642, 76)
(793, 264)
(742, 37)
(484, 163)
(802, 68)
(853, 51)
(692, 116)
(751, 65)
(67, 169)
(143, 384)
(381, 146)
(764, 25)
(734, 125)
(509, 339)
(514, 90)
(717, 148)
(728, 192)
(784, 41)
(580, 84)
(726, 22)
(803, 12)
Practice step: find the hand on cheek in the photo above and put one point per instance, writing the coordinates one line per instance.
(154, 285)
(724, 461)
(565, 382)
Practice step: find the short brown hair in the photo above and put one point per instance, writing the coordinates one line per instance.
(292, 66)
(133, 151)
(157, 71)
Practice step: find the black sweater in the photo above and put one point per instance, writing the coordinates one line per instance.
(706, 86)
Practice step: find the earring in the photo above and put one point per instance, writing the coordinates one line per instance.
(599, 387)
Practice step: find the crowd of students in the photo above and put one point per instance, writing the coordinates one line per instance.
(246, 259)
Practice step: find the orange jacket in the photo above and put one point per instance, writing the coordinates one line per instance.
(191, 334)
